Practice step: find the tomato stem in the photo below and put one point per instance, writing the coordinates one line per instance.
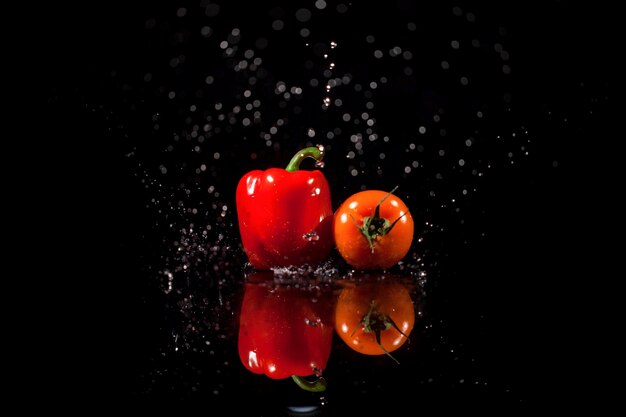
(377, 334)
(375, 226)
(315, 152)
(375, 322)
(319, 385)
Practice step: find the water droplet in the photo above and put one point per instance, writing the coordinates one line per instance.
(311, 236)
(312, 323)
(319, 164)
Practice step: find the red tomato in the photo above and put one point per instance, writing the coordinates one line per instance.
(373, 230)
(374, 318)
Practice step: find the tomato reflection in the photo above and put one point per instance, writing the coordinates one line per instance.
(374, 316)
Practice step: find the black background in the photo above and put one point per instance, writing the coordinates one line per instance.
(515, 289)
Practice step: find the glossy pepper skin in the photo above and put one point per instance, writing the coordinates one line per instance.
(285, 331)
(285, 215)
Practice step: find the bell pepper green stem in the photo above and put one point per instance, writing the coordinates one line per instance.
(319, 385)
(315, 152)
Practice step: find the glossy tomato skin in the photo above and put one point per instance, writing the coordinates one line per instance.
(391, 299)
(388, 249)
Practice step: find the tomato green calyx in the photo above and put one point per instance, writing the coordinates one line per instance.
(376, 322)
(319, 385)
(315, 152)
(374, 227)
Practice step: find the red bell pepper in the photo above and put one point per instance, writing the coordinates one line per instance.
(285, 215)
(286, 331)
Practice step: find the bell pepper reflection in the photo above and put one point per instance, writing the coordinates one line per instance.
(286, 330)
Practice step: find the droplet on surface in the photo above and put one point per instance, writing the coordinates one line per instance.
(311, 236)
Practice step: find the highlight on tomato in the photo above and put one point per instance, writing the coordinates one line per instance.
(373, 229)
(286, 330)
(375, 316)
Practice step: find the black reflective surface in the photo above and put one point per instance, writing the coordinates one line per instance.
(493, 121)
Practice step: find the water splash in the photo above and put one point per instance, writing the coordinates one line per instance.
(319, 163)
(330, 82)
